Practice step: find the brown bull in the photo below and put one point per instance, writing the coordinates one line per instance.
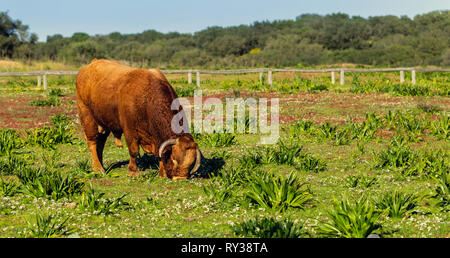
(136, 103)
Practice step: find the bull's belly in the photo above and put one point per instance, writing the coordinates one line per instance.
(106, 118)
(112, 125)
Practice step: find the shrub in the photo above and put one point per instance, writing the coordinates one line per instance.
(301, 127)
(44, 184)
(441, 127)
(246, 125)
(428, 164)
(220, 193)
(49, 137)
(251, 160)
(50, 159)
(221, 154)
(47, 227)
(187, 90)
(327, 131)
(412, 125)
(8, 188)
(269, 228)
(400, 157)
(317, 88)
(365, 181)
(340, 137)
(308, 162)
(282, 154)
(83, 166)
(218, 139)
(60, 120)
(9, 140)
(397, 204)
(405, 89)
(357, 219)
(397, 155)
(12, 165)
(277, 193)
(94, 202)
(51, 101)
(236, 175)
(55, 93)
(352, 181)
(429, 108)
(442, 191)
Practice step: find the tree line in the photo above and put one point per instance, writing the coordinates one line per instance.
(308, 40)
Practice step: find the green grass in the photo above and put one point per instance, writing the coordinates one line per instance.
(342, 141)
(269, 228)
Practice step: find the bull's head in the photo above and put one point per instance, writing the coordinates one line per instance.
(180, 157)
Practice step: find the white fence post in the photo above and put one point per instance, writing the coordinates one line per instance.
(342, 77)
(45, 81)
(198, 79)
(413, 76)
(402, 76)
(190, 77)
(269, 77)
(260, 76)
(39, 78)
(333, 78)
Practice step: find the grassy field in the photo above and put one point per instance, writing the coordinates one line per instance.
(368, 157)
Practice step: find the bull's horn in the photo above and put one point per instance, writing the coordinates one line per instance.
(167, 143)
(197, 162)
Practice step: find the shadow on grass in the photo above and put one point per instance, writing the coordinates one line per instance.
(144, 162)
(208, 167)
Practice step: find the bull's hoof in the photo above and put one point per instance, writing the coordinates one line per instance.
(178, 178)
(133, 173)
(99, 170)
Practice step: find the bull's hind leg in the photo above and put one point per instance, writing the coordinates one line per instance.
(101, 140)
(117, 137)
(95, 140)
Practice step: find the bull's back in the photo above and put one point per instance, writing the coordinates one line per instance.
(99, 80)
(116, 94)
(98, 87)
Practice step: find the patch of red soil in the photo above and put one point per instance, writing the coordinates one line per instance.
(17, 113)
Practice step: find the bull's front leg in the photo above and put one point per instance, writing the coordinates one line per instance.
(162, 171)
(133, 149)
(95, 140)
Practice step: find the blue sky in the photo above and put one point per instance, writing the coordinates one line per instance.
(48, 17)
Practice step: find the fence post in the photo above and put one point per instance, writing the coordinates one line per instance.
(413, 76)
(260, 76)
(39, 78)
(402, 76)
(45, 81)
(190, 77)
(333, 78)
(342, 77)
(269, 77)
(198, 79)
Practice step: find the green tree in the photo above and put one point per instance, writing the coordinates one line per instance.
(13, 34)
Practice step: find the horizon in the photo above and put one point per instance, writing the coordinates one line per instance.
(50, 17)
